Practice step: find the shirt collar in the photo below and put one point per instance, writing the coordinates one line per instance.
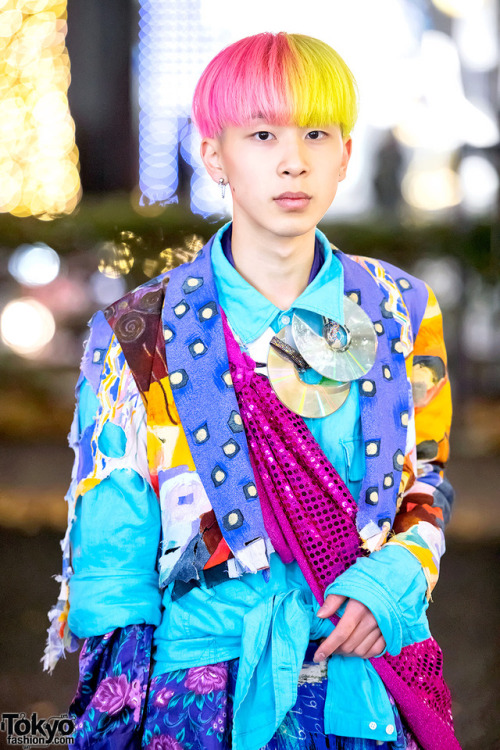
(250, 313)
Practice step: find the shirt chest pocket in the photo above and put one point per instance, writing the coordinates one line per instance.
(354, 458)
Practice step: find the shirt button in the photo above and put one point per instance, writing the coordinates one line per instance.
(285, 319)
(389, 729)
(373, 725)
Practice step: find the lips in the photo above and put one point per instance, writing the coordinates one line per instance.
(292, 196)
(293, 201)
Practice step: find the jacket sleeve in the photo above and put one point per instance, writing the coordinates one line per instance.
(392, 583)
(109, 578)
(426, 497)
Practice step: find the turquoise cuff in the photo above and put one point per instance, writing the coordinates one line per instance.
(102, 600)
(357, 704)
(117, 525)
(392, 584)
(114, 544)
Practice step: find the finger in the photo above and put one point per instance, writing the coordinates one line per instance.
(364, 647)
(331, 605)
(359, 611)
(363, 617)
(357, 639)
(355, 614)
(343, 630)
(376, 649)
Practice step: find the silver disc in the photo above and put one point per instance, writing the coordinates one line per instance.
(339, 352)
(306, 399)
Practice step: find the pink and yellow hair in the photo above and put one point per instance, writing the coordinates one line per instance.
(285, 78)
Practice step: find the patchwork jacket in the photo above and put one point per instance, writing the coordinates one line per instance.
(157, 363)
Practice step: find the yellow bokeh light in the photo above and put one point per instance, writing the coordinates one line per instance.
(115, 259)
(50, 107)
(10, 22)
(194, 244)
(37, 133)
(10, 191)
(40, 6)
(150, 267)
(21, 210)
(171, 257)
(49, 32)
(34, 6)
(12, 117)
(57, 140)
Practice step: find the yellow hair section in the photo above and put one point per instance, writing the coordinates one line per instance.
(324, 90)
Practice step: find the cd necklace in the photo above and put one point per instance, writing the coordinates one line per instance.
(339, 353)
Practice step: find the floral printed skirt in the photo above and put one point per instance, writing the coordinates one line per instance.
(191, 709)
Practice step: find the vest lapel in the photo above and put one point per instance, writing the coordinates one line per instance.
(384, 395)
(204, 396)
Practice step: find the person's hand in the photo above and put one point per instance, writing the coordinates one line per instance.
(356, 634)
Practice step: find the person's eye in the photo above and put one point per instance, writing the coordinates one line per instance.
(262, 135)
(316, 135)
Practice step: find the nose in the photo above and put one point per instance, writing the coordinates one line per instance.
(293, 158)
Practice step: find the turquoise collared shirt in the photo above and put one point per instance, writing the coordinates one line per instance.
(266, 625)
(249, 313)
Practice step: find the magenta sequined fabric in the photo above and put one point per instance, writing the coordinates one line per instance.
(310, 515)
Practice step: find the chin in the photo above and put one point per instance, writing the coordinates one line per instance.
(294, 225)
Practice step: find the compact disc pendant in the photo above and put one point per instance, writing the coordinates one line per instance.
(284, 365)
(339, 352)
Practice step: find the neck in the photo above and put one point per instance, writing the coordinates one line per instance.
(278, 267)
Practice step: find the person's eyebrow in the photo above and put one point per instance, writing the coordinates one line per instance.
(258, 118)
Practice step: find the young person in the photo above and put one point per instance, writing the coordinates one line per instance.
(248, 448)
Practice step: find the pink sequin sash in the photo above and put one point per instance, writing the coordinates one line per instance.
(309, 515)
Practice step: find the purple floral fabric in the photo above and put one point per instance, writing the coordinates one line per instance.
(116, 707)
(109, 702)
(194, 708)
(115, 693)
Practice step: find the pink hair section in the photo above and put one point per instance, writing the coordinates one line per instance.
(250, 78)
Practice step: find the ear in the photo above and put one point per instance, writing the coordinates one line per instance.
(346, 155)
(210, 152)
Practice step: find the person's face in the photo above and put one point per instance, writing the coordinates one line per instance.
(264, 161)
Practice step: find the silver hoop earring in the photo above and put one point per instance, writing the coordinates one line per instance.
(222, 186)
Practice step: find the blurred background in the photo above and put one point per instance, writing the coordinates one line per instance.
(102, 187)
